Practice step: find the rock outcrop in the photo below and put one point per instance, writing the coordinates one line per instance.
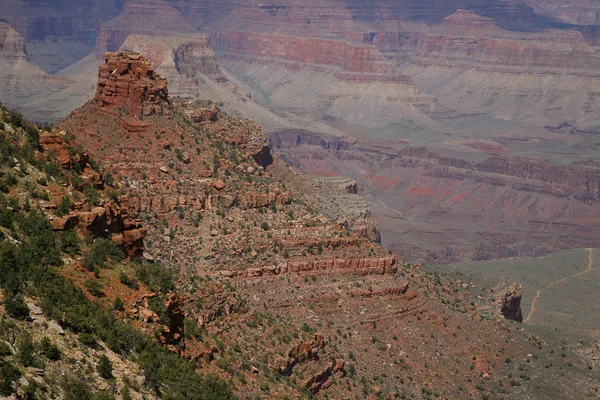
(105, 219)
(320, 380)
(12, 45)
(510, 302)
(128, 80)
(304, 351)
(192, 159)
(172, 336)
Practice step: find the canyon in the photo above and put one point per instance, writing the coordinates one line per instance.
(433, 207)
(220, 209)
(251, 248)
(440, 112)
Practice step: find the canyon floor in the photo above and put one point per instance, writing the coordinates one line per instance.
(560, 297)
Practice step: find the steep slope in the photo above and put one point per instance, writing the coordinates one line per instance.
(322, 305)
(434, 207)
(323, 60)
(21, 79)
(25, 86)
(579, 12)
(58, 33)
(472, 65)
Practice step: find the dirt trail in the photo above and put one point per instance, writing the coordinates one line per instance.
(590, 267)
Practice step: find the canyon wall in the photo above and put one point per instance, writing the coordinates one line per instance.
(436, 208)
(58, 33)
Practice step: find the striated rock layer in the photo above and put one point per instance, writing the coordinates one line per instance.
(58, 33)
(191, 164)
(223, 211)
(142, 17)
(439, 208)
(128, 80)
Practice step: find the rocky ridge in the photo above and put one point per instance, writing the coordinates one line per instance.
(232, 206)
(177, 167)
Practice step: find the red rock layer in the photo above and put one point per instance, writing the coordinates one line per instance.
(127, 79)
(452, 209)
(353, 62)
(146, 17)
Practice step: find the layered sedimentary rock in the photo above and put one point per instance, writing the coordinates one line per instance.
(192, 160)
(470, 64)
(151, 17)
(580, 12)
(128, 80)
(11, 44)
(437, 208)
(58, 33)
(22, 82)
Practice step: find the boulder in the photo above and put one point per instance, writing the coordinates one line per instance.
(218, 185)
(64, 223)
(510, 302)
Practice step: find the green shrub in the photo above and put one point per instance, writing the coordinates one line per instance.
(95, 287)
(118, 304)
(64, 207)
(53, 353)
(70, 243)
(128, 281)
(8, 374)
(75, 388)
(103, 395)
(6, 218)
(100, 252)
(26, 350)
(15, 306)
(5, 349)
(105, 367)
(155, 276)
(88, 339)
(92, 196)
(49, 349)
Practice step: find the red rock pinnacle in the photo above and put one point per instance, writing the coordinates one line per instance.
(128, 81)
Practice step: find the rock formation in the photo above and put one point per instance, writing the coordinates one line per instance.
(58, 33)
(320, 380)
(140, 17)
(435, 195)
(173, 333)
(304, 351)
(176, 171)
(510, 302)
(128, 80)
(106, 219)
(11, 45)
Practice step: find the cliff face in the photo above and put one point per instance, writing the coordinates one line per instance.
(128, 81)
(369, 65)
(541, 78)
(11, 45)
(502, 207)
(58, 33)
(580, 12)
(467, 39)
(160, 152)
(21, 81)
(266, 268)
(151, 17)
